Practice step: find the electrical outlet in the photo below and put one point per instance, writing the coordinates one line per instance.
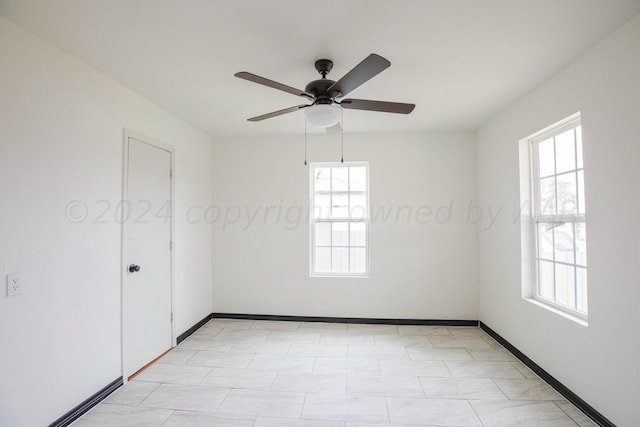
(393, 297)
(14, 284)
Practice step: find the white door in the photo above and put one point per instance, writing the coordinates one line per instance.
(146, 311)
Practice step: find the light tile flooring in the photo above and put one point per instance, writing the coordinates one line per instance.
(268, 373)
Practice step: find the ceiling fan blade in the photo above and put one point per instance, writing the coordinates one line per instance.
(275, 85)
(337, 128)
(383, 106)
(368, 68)
(277, 113)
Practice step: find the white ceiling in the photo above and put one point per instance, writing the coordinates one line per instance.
(459, 61)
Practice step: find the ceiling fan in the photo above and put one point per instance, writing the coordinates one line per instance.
(327, 96)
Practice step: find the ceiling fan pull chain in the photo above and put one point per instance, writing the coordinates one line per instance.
(305, 141)
(341, 136)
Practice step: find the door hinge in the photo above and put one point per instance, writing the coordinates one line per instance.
(170, 244)
(170, 173)
(172, 316)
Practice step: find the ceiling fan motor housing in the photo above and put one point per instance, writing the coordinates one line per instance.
(320, 87)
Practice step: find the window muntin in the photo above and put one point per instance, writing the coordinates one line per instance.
(559, 218)
(339, 219)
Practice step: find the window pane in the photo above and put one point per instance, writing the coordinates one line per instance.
(563, 243)
(358, 178)
(321, 206)
(340, 206)
(565, 152)
(545, 279)
(546, 165)
(358, 260)
(581, 244)
(322, 234)
(358, 234)
(358, 208)
(579, 146)
(559, 201)
(322, 260)
(548, 196)
(340, 233)
(567, 194)
(581, 192)
(340, 179)
(340, 260)
(339, 244)
(322, 179)
(545, 241)
(565, 285)
(581, 284)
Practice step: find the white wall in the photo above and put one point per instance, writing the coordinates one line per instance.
(598, 362)
(61, 139)
(262, 266)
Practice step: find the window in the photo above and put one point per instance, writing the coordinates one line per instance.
(339, 223)
(558, 213)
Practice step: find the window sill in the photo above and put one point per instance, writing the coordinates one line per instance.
(341, 276)
(578, 320)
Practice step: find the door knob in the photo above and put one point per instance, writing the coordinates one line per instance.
(133, 268)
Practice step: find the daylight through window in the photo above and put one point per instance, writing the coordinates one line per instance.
(559, 218)
(339, 219)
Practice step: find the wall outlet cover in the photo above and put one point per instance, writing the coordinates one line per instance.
(14, 284)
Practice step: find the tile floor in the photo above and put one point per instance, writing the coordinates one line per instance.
(268, 373)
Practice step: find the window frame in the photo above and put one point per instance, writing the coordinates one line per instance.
(366, 219)
(537, 217)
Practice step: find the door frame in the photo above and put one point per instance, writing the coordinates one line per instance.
(129, 134)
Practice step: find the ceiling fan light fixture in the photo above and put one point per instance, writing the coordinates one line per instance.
(323, 115)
